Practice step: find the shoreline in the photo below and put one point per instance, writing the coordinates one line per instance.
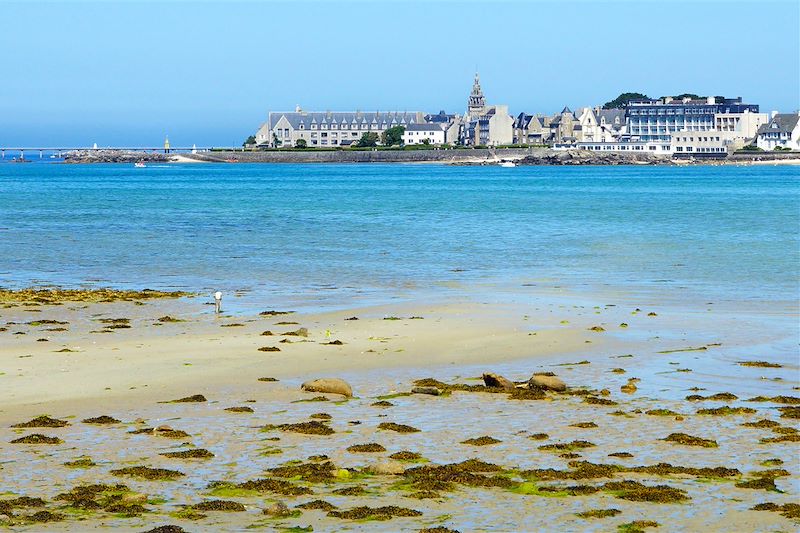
(144, 358)
(459, 157)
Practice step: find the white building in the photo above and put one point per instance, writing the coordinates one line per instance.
(326, 129)
(625, 147)
(424, 134)
(782, 131)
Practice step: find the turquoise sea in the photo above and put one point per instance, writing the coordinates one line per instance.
(334, 235)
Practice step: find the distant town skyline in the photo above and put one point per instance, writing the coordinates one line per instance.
(78, 73)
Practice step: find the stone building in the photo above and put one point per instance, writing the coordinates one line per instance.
(327, 129)
(486, 125)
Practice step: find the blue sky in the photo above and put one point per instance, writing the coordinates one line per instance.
(75, 73)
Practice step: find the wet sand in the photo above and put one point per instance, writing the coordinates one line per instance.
(536, 477)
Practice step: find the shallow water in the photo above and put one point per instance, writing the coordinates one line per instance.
(314, 236)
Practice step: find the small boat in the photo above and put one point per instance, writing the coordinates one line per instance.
(139, 164)
(508, 164)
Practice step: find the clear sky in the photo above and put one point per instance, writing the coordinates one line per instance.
(126, 74)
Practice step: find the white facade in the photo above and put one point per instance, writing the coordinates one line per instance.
(420, 133)
(704, 143)
(658, 148)
(782, 131)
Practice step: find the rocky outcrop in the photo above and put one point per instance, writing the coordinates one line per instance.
(114, 156)
(587, 157)
(545, 382)
(496, 380)
(329, 385)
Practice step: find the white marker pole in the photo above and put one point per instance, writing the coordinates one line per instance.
(217, 302)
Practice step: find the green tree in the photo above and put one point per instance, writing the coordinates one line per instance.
(249, 140)
(623, 99)
(393, 136)
(368, 140)
(300, 143)
(426, 141)
(691, 96)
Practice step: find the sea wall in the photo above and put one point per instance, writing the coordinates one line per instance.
(366, 156)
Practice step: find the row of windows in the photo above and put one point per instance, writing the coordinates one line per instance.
(678, 111)
(346, 127)
(712, 150)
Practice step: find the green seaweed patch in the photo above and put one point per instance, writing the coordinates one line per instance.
(661, 412)
(37, 438)
(374, 513)
(195, 453)
(760, 483)
(239, 409)
(719, 397)
(103, 419)
(313, 427)
(399, 428)
(81, 462)
(320, 505)
(485, 440)
(772, 462)
(42, 421)
(788, 510)
(763, 423)
(594, 400)
(526, 394)
(372, 447)
(313, 472)
(257, 486)
(195, 398)
(314, 399)
(320, 416)
(567, 446)
(539, 436)
(188, 513)
(407, 456)
(789, 412)
(759, 364)
(219, 505)
(689, 440)
(148, 473)
(532, 489)
(726, 410)
(355, 490)
(792, 437)
(638, 492)
(598, 513)
(637, 526)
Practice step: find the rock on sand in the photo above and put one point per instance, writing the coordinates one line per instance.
(329, 385)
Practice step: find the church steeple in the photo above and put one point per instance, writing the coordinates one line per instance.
(477, 102)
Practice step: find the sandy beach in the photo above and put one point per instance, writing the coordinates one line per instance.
(592, 457)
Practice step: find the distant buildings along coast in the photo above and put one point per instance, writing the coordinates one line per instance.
(682, 126)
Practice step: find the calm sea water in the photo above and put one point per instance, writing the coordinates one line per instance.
(340, 233)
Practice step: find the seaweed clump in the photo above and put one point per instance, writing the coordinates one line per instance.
(312, 472)
(637, 492)
(81, 462)
(689, 440)
(372, 447)
(321, 505)
(789, 412)
(481, 441)
(42, 421)
(219, 505)
(399, 428)
(190, 399)
(277, 486)
(239, 409)
(314, 427)
(726, 410)
(405, 456)
(195, 453)
(760, 364)
(637, 526)
(567, 446)
(37, 438)
(598, 513)
(103, 419)
(374, 513)
(151, 474)
(444, 477)
(788, 510)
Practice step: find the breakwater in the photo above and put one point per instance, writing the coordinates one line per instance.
(368, 156)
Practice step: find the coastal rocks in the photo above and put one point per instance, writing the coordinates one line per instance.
(544, 382)
(387, 468)
(328, 385)
(588, 157)
(114, 156)
(496, 380)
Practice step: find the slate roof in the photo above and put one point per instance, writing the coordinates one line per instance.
(390, 118)
(780, 123)
(424, 127)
